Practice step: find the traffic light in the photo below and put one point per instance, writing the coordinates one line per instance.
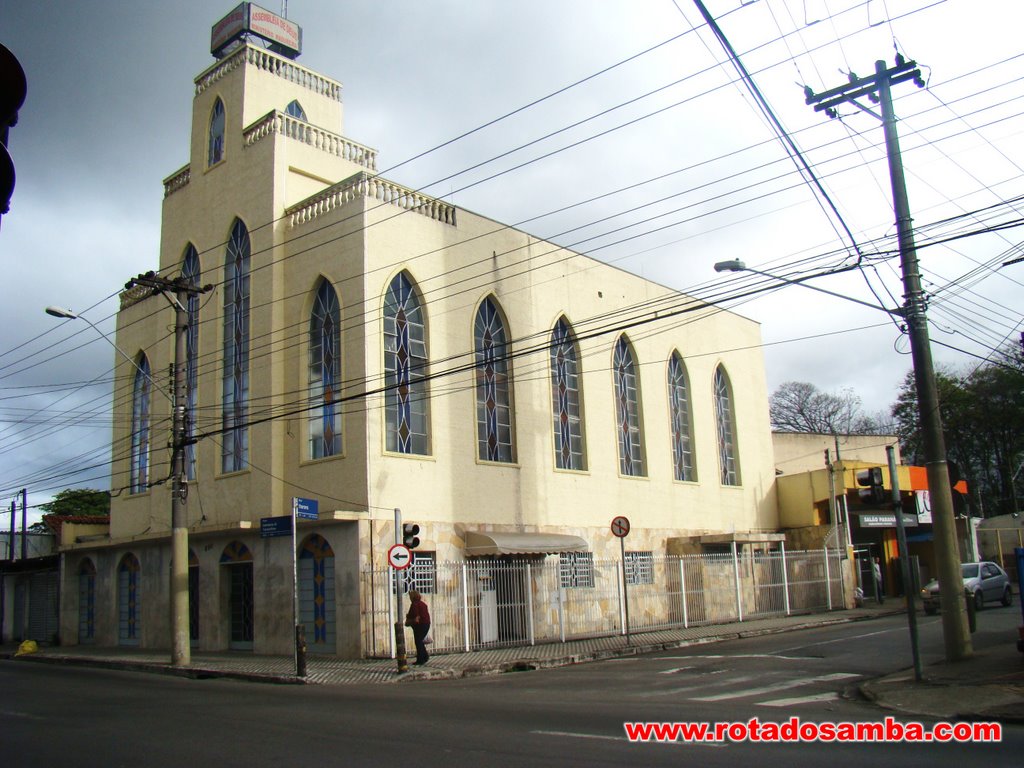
(959, 501)
(410, 535)
(12, 96)
(871, 490)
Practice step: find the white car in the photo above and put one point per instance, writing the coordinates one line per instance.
(985, 581)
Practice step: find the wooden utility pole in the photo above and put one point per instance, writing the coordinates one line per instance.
(878, 89)
(177, 292)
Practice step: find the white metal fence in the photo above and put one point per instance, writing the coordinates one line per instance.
(489, 603)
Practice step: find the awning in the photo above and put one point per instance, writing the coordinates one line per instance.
(479, 543)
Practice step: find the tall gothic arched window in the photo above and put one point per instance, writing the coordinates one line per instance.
(324, 373)
(138, 480)
(405, 369)
(493, 385)
(627, 409)
(191, 273)
(235, 399)
(680, 419)
(728, 457)
(566, 398)
(216, 152)
(295, 110)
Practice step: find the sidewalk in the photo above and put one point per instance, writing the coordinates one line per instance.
(990, 685)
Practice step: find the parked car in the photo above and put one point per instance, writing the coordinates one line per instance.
(984, 581)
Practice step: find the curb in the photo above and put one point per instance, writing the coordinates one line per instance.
(602, 654)
(527, 664)
(194, 673)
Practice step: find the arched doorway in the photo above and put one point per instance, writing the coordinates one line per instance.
(237, 560)
(316, 594)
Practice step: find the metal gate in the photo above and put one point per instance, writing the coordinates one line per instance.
(43, 604)
(240, 610)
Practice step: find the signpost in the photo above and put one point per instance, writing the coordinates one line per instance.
(399, 558)
(285, 525)
(620, 529)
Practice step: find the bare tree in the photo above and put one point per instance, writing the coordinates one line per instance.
(798, 406)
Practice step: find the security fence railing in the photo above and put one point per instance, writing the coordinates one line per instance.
(488, 603)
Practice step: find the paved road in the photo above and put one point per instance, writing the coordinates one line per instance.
(570, 716)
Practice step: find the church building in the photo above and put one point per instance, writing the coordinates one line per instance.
(371, 348)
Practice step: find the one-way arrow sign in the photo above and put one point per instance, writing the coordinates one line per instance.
(399, 557)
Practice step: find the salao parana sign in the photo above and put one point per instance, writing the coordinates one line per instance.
(284, 36)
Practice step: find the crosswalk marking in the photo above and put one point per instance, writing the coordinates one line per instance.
(699, 686)
(797, 700)
(776, 687)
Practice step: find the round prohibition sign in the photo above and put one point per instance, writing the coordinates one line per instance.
(399, 557)
(620, 526)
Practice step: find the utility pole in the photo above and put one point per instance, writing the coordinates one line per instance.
(878, 89)
(177, 292)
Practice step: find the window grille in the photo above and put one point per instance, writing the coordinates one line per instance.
(576, 570)
(639, 568)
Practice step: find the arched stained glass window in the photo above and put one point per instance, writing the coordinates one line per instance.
(216, 153)
(405, 369)
(139, 473)
(493, 385)
(191, 273)
(235, 401)
(566, 399)
(728, 459)
(324, 373)
(680, 419)
(129, 601)
(627, 409)
(295, 110)
(317, 604)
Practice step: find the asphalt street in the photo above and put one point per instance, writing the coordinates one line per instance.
(52, 715)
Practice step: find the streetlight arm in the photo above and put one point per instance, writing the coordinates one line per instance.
(735, 265)
(67, 314)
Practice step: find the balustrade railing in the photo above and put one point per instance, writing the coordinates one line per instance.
(177, 180)
(374, 188)
(277, 122)
(276, 65)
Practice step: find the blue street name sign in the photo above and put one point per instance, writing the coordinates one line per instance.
(275, 526)
(307, 509)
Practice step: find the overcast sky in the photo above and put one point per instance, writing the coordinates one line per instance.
(108, 113)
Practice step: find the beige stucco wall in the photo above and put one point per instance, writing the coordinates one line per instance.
(798, 452)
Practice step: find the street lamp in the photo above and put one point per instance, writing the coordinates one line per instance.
(180, 651)
(67, 314)
(736, 265)
(955, 635)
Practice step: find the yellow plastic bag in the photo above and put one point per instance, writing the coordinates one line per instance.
(27, 647)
